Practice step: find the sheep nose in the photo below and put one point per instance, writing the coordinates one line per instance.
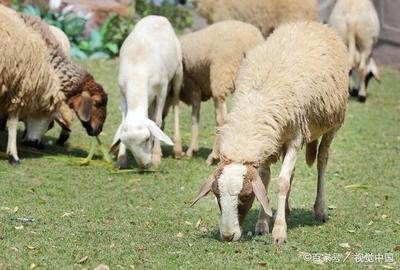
(228, 237)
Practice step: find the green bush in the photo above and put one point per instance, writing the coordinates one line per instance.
(107, 41)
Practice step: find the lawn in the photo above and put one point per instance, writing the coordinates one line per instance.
(55, 214)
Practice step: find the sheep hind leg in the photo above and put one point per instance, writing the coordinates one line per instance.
(177, 84)
(263, 219)
(323, 154)
(194, 144)
(12, 153)
(220, 113)
(362, 73)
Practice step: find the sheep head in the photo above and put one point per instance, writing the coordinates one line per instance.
(137, 132)
(235, 186)
(90, 105)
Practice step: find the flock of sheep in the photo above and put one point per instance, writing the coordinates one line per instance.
(289, 75)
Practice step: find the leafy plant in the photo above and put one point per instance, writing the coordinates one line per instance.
(106, 41)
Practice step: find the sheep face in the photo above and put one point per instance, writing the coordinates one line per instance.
(90, 106)
(235, 187)
(138, 134)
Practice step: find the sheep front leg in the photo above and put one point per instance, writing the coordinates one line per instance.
(12, 124)
(323, 154)
(362, 73)
(160, 103)
(279, 232)
(122, 159)
(194, 145)
(263, 219)
(177, 84)
(220, 113)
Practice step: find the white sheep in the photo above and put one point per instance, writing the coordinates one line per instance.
(357, 23)
(211, 60)
(29, 84)
(291, 90)
(266, 15)
(150, 67)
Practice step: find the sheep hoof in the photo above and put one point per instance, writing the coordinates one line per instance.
(321, 216)
(262, 228)
(279, 235)
(211, 159)
(12, 161)
(362, 99)
(191, 153)
(122, 163)
(179, 154)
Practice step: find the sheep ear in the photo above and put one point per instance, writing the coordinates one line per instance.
(261, 194)
(116, 140)
(85, 107)
(158, 133)
(373, 68)
(204, 189)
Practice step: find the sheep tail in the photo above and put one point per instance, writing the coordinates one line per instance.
(311, 152)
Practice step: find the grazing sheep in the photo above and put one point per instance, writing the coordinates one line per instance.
(357, 23)
(291, 90)
(29, 84)
(36, 126)
(82, 93)
(266, 15)
(150, 67)
(211, 60)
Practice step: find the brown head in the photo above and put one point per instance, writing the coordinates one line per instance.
(235, 186)
(90, 105)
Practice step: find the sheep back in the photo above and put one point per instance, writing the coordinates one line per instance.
(212, 56)
(264, 14)
(29, 83)
(359, 17)
(293, 84)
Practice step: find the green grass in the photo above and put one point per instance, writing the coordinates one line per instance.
(142, 220)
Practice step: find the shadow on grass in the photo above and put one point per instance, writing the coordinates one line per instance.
(298, 217)
(33, 153)
(203, 152)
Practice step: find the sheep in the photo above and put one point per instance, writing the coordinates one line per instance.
(357, 23)
(25, 76)
(211, 60)
(264, 14)
(62, 39)
(35, 127)
(291, 90)
(150, 67)
(82, 93)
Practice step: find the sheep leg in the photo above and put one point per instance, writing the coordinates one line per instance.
(122, 159)
(194, 145)
(156, 159)
(12, 124)
(287, 208)
(323, 154)
(279, 232)
(177, 84)
(263, 219)
(64, 136)
(220, 113)
(362, 73)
